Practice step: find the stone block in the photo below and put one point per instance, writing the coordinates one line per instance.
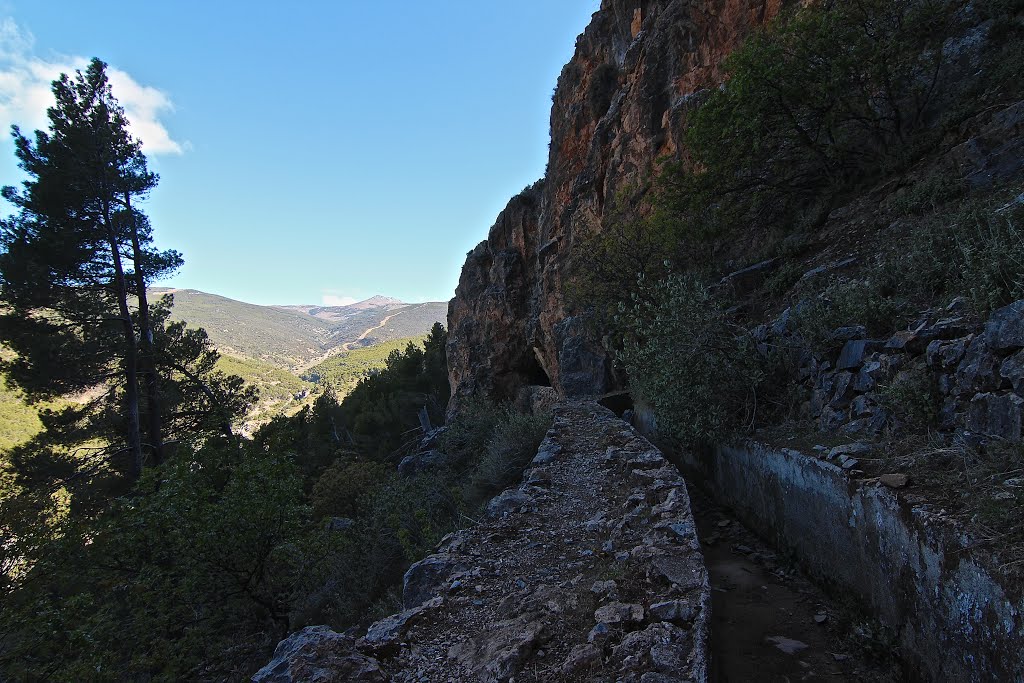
(1005, 327)
(997, 415)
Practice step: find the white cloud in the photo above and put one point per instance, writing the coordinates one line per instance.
(335, 300)
(25, 91)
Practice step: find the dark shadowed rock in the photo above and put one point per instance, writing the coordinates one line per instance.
(316, 654)
(420, 461)
(996, 415)
(1012, 372)
(1005, 327)
(508, 501)
(852, 354)
(977, 370)
(426, 578)
(385, 636)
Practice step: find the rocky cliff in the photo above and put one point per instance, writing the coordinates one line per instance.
(620, 106)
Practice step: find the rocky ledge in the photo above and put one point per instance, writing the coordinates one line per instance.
(590, 570)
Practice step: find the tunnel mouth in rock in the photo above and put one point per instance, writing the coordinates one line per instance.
(532, 371)
(618, 403)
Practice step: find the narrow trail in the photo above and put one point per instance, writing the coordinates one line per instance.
(589, 571)
(347, 346)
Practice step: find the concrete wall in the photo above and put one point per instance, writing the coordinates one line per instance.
(955, 622)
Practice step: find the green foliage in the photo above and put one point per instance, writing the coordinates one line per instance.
(341, 488)
(827, 96)
(397, 520)
(688, 360)
(913, 396)
(380, 413)
(509, 448)
(975, 251)
(190, 578)
(628, 244)
(344, 370)
(18, 421)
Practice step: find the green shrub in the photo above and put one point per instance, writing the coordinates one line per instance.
(913, 397)
(688, 360)
(341, 488)
(829, 95)
(871, 301)
(976, 252)
(513, 442)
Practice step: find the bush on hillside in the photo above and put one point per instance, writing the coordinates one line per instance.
(975, 252)
(510, 447)
(827, 96)
(688, 360)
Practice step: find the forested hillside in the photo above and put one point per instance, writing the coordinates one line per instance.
(145, 537)
(291, 337)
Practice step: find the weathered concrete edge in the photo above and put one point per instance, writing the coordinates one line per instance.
(953, 618)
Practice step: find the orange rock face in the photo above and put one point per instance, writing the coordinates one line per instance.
(620, 105)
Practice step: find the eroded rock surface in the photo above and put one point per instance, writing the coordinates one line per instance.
(620, 105)
(594, 574)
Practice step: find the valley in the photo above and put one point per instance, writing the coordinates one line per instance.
(295, 338)
(291, 354)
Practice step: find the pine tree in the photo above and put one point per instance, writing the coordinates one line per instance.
(73, 262)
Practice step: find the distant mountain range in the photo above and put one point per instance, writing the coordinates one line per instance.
(296, 337)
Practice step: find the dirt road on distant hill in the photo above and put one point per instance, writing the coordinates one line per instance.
(347, 346)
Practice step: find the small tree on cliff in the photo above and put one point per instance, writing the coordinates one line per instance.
(73, 262)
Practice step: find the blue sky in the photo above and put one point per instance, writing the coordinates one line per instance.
(312, 152)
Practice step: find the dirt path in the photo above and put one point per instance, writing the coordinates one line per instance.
(347, 346)
(771, 624)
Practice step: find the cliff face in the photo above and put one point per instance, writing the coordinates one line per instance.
(620, 105)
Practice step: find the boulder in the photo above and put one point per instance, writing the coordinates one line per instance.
(1012, 372)
(316, 654)
(866, 377)
(843, 392)
(419, 462)
(977, 371)
(508, 501)
(385, 636)
(619, 613)
(852, 354)
(674, 611)
(997, 415)
(425, 579)
(1005, 327)
(946, 354)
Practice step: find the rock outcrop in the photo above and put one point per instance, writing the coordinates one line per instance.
(590, 570)
(620, 105)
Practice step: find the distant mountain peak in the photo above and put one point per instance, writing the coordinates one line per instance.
(378, 300)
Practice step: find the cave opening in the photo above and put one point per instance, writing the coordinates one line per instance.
(533, 372)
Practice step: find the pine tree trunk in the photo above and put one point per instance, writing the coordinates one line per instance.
(154, 421)
(131, 393)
